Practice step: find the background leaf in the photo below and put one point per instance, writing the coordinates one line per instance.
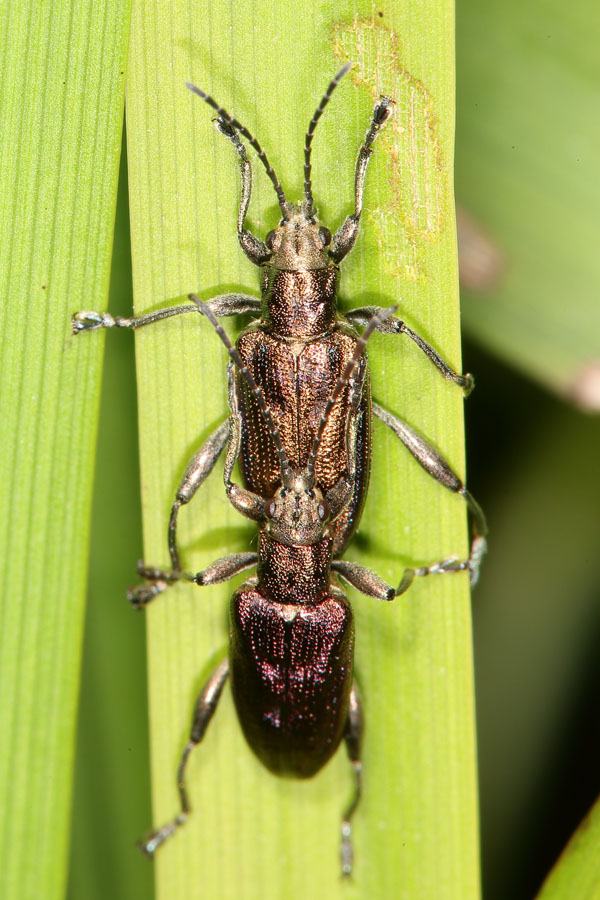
(251, 834)
(527, 163)
(62, 84)
(578, 870)
(111, 802)
(527, 158)
(531, 462)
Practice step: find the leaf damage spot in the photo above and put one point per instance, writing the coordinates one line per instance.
(411, 141)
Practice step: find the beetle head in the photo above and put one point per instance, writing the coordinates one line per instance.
(298, 513)
(299, 242)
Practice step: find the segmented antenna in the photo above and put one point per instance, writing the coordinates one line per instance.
(249, 378)
(309, 136)
(223, 114)
(343, 380)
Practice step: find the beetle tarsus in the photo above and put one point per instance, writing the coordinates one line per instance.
(88, 320)
(346, 850)
(141, 595)
(467, 383)
(478, 551)
(150, 844)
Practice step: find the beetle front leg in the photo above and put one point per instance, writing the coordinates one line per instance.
(353, 738)
(345, 237)
(436, 466)
(393, 325)
(204, 710)
(255, 249)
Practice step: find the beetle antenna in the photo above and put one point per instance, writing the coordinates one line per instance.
(249, 378)
(374, 323)
(223, 114)
(310, 204)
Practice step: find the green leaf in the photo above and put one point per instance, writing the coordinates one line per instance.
(252, 835)
(111, 797)
(577, 872)
(527, 163)
(62, 82)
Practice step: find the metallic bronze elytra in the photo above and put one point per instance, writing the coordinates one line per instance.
(300, 427)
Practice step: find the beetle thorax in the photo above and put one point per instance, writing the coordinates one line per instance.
(300, 304)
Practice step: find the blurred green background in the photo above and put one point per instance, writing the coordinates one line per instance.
(528, 139)
(527, 160)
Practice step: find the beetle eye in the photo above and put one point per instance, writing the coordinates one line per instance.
(323, 511)
(270, 240)
(271, 509)
(325, 236)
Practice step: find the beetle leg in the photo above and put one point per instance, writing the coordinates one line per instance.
(225, 568)
(205, 707)
(220, 570)
(223, 305)
(372, 585)
(436, 466)
(197, 471)
(256, 251)
(353, 738)
(232, 304)
(345, 237)
(393, 325)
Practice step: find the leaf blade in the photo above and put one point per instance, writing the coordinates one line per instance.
(252, 834)
(62, 100)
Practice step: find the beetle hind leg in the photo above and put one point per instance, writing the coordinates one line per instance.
(205, 707)
(436, 466)
(354, 733)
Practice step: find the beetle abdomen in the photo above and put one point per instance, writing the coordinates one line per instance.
(291, 674)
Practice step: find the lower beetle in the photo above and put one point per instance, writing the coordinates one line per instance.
(291, 628)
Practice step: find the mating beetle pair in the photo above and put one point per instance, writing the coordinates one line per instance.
(300, 428)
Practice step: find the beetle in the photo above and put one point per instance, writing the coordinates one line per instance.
(300, 426)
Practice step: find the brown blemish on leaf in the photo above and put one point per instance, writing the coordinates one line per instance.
(481, 263)
(411, 144)
(584, 388)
